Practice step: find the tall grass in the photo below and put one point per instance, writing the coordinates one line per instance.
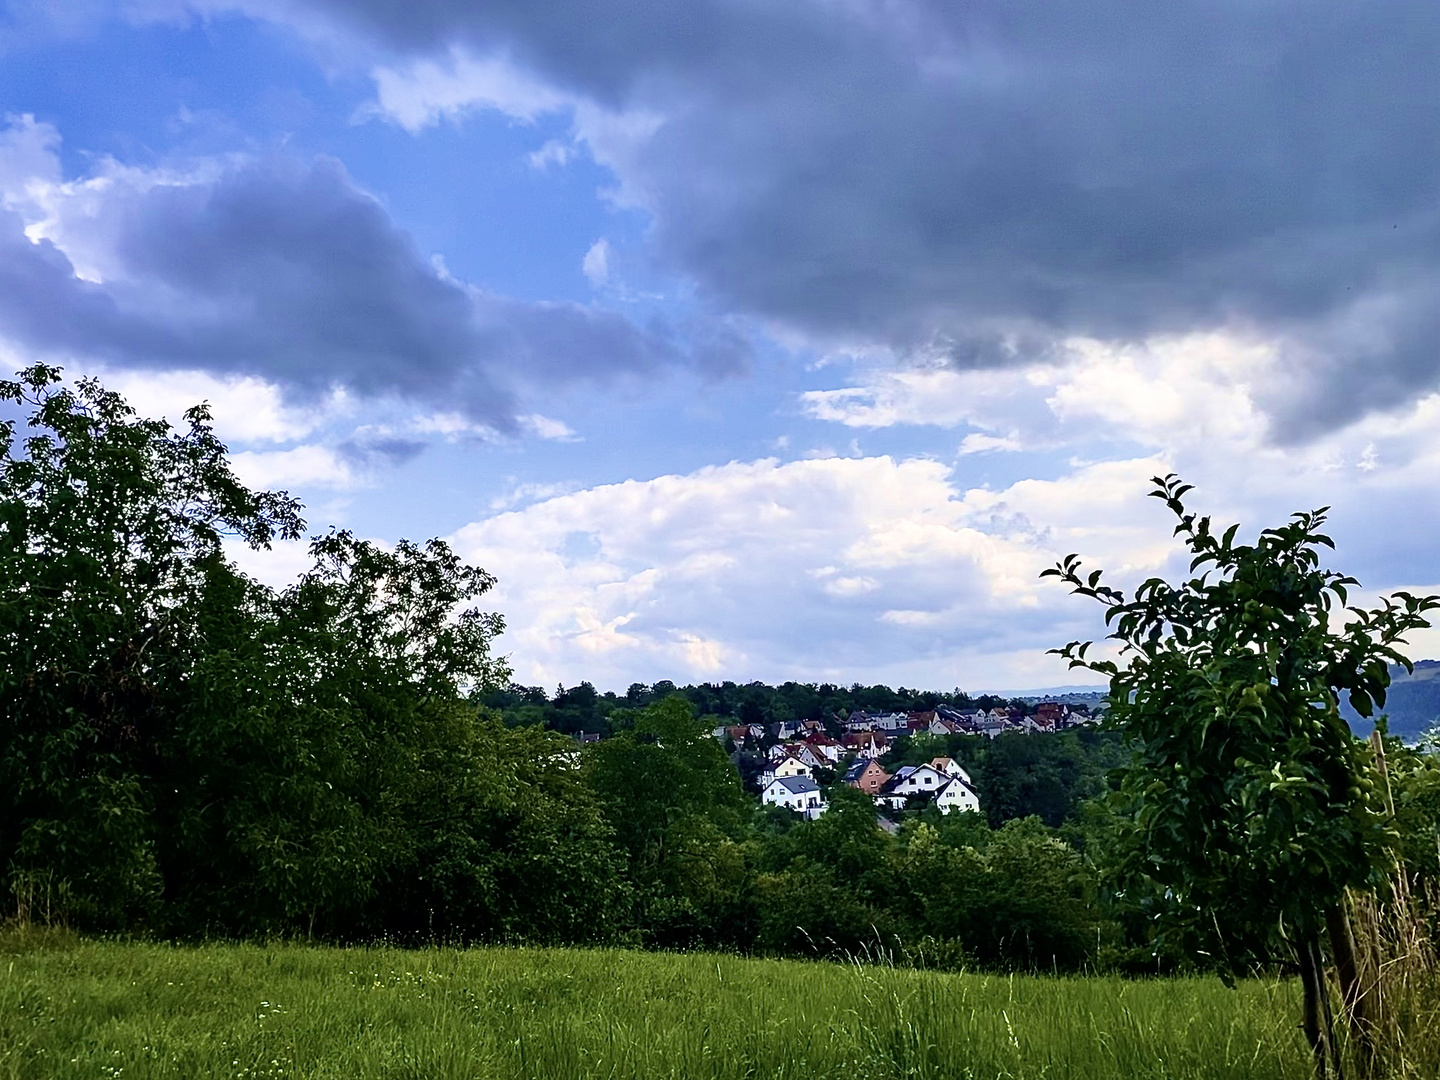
(91, 1009)
(1400, 977)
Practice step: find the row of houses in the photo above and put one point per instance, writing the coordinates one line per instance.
(945, 720)
(942, 720)
(942, 780)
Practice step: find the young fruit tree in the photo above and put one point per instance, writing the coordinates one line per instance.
(1248, 808)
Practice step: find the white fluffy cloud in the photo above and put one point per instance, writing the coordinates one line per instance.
(896, 570)
(245, 409)
(1199, 403)
(430, 90)
(840, 568)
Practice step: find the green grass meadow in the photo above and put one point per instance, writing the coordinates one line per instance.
(96, 1009)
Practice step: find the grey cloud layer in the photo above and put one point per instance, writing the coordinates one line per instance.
(286, 270)
(950, 178)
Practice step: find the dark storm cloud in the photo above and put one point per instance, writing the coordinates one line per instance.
(950, 179)
(289, 272)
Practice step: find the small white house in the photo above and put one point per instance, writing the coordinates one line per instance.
(957, 795)
(797, 793)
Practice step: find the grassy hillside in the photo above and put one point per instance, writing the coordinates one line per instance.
(93, 1009)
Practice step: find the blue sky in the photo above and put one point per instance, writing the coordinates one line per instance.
(755, 340)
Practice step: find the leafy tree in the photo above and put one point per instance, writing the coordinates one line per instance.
(1249, 804)
(186, 749)
(111, 570)
(309, 734)
(677, 808)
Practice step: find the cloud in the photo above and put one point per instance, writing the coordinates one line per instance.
(431, 90)
(833, 568)
(554, 152)
(907, 570)
(284, 271)
(1196, 404)
(245, 409)
(969, 184)
(308, 466)
(596, 263)
(546, 427)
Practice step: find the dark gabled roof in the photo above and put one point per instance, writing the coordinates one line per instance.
(856, 768)
(797, 785)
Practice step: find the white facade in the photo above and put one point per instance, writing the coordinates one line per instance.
(791, 766)
(920, 779)
(956, 795)
(952, 768)
(797, 793)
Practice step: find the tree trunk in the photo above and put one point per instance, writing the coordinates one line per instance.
(1317, 1023)
(1354, 994)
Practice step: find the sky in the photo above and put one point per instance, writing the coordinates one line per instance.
(756, 339)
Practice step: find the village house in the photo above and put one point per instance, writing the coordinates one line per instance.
(951, 768)
(867, 775)
(826, 747)
(790, 765)
(1051, 714)
(957, 795)
(917, 779)
(797, 793)
(943, 779)
(780, 751)
(888, 800)
(868, 744)
(888, 722)
(992, 726)
(784, 730)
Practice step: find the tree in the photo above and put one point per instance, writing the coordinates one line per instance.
(675, 803)
(185, 749)
(1248, 803)
(110, 560)
(1016, 897)
(318, 744)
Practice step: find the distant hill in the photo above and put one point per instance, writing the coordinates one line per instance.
(1412, 703)
(1066, 695)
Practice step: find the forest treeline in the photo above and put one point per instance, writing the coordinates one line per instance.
(582, 708)
(187, 752)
